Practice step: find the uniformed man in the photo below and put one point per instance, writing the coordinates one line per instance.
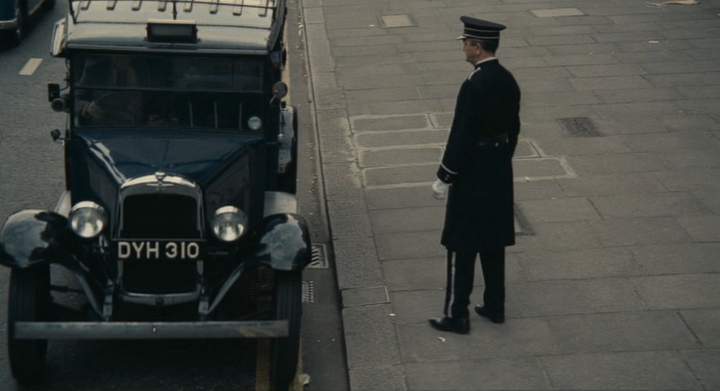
(476, 172)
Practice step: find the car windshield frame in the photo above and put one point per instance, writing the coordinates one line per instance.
(146, 90)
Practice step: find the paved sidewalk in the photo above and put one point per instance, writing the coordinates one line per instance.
(615, 281)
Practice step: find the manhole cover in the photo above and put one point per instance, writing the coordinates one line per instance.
(319, 260)
(308, 291)
(579, 127)
(391, 21)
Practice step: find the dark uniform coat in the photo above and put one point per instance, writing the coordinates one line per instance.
(478, 161)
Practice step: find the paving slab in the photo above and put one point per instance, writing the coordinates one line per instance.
(579, 264)
(560, 209)
(705, 324)
(620, 371)
(407, 219)
(413, 174)
(538, 190)
(415, 274)
(709, 198)
(560, 236)
(690, 179)
(378, 378)
(563, 297)
(556, 12)
(622, 331)
(401, 138)
(365, 296)
(370, 337)
(406, 245)
(521, 337)
(702, 228)
(704, 365)
(611, 184)
(639, 231)
(681, 291)
(408, 197)
(583, 146)
(399, 156)
(355, 261)
(493, 374)
(649, 205)
(677, 140)
(691, 258)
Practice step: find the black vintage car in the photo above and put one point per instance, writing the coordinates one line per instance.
(179, 215)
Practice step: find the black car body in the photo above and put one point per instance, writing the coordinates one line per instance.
(179, 214)
(15, 16)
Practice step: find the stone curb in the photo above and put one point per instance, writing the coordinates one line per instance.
(371, 343)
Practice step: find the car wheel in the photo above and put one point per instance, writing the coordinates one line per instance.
(288, 305)
(18, 33)
(28, 300)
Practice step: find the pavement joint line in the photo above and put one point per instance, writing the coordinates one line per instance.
(363, 132)
(30, 66)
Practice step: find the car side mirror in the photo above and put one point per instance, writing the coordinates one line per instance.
(279, 91)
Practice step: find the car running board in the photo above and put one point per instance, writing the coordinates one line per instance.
(151, 330)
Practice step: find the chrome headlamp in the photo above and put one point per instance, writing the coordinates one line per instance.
(229, 223)
(87, 219)
(254, 123)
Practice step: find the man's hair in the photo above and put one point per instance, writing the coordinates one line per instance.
(488, 45)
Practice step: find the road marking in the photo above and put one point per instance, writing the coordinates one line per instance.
(30, 66)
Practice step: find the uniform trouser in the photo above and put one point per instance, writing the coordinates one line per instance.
(460, 276)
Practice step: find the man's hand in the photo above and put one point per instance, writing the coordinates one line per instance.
(440, 189)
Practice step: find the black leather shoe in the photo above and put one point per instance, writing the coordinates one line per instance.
(453, 325)
(492, 316)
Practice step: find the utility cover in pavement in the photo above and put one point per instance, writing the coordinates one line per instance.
(391, 21)
(579, 127)
(308, 291)
(319, 260)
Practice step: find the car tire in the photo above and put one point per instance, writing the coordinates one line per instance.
(28, 300)
(287, 299)
(16, 35)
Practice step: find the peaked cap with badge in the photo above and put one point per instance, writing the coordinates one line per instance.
(480, 29)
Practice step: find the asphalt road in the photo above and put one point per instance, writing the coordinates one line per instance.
(31, 176)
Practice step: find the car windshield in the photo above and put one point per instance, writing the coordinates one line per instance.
(124, 90)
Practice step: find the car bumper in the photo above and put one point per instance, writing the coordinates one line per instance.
(8, 24)
(151, 330)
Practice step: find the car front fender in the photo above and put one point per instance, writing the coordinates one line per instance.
(283, 242)
(32, 237)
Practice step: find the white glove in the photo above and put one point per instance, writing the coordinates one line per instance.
(440, 189)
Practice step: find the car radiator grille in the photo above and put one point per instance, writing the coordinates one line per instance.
(159, 216)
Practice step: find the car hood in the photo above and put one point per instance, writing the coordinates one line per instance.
(198, 156)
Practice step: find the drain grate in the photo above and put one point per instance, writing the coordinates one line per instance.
(579, 127)
(319, 258)
(308, 291)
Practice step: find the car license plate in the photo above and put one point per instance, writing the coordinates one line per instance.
(188, 250)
